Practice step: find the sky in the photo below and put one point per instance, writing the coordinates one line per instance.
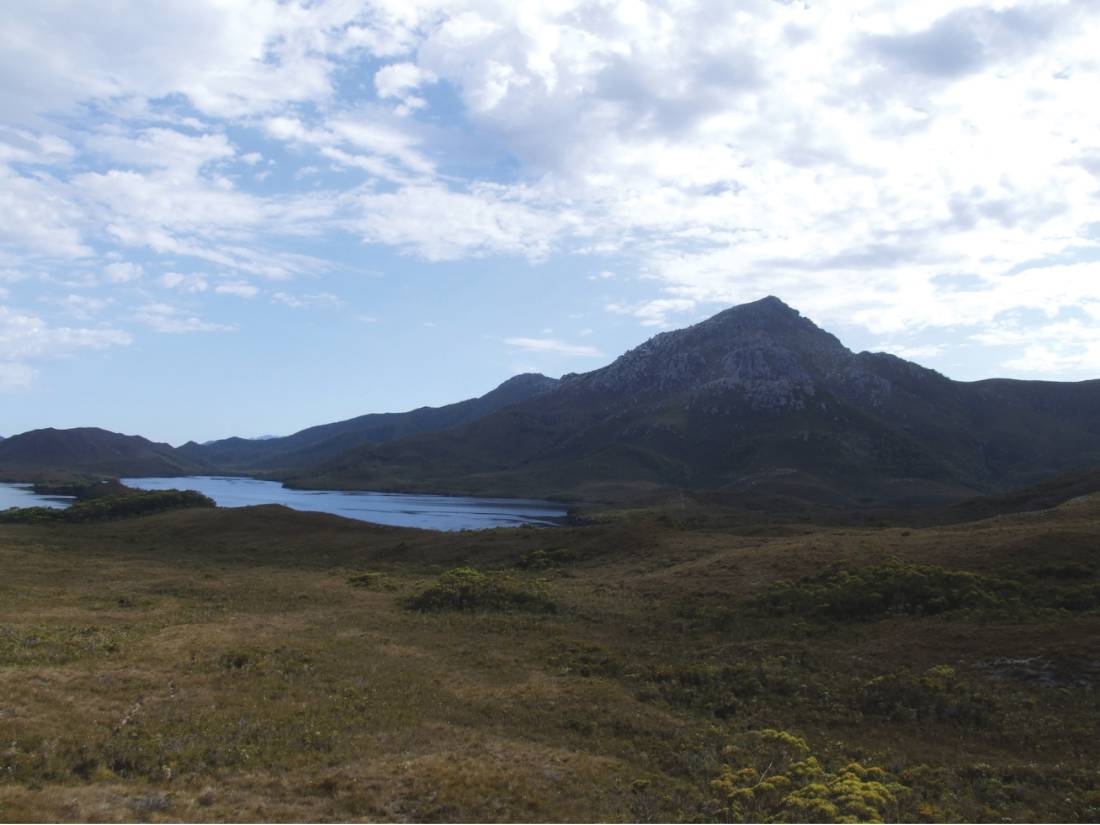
(245, 217)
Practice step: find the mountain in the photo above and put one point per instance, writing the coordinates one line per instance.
(756, 399)
(323, 442)
(47, 453)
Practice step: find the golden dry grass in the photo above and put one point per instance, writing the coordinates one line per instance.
(214, 665)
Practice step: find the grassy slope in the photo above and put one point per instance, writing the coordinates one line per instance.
(217, 664)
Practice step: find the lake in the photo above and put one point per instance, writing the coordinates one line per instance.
(398, 509)
(22, 495)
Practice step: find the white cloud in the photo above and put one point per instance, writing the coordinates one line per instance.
(400, 80)
(384, 149)
(315, 299)
(227, 59)
(23, 335)
(897, 167)
(552, 345)
(184, 283)
(1060, 345)
(909, 351)
(38, 217)
(173, 320)
(238, 288)
(439, 224)
(84, 307)
(180, 154)
(653, 313)
(122, 272)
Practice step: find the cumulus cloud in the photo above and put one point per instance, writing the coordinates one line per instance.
(968, 40)
(228, 59)
(26, 338)
(24, 335)
(400, 80)
(896, 167)
(439, 223)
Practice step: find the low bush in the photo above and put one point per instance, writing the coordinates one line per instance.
(1086, 597)
(473, 590)
(875, 592)
(722, 690)
(546, 559)
(109, 508)
(938, 695)
(772, 776)
(587, 660)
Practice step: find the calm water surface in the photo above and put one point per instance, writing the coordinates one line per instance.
(21, 495)
(399, 509)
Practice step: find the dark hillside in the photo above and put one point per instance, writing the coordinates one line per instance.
(51, 453)
(756, 397)
(320, 443)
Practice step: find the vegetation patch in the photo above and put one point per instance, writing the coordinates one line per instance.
(772, 776)
(1065, 571)
(1085, 597)
(56, 645)
(870, 593)
(141, 503)
(938, 695)
(464, 588)
(722, 690)
(587, 660)
(372, 580)
(547, 559)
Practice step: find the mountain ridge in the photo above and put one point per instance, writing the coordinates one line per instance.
(756, 400)
(50, 452)
(755, 395)
(321, 441)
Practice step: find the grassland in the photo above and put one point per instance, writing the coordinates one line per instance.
(260, 664)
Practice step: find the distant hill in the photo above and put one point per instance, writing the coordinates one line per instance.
(1043, 496)
(51, 453)
(321, 443)
(756, 398)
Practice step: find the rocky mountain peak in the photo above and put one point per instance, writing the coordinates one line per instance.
(765, 350)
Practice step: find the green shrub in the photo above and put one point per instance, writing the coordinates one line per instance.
(141, 503)
(467, 589)
(546, 559)
(875, 592)
(722, 690)
(772, 776)
(938, 695)
(1086, 597)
